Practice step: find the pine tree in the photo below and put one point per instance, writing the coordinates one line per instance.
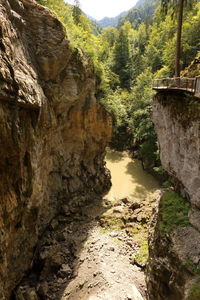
(76, 11)
(121, 64)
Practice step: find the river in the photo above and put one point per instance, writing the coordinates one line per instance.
(129, 180)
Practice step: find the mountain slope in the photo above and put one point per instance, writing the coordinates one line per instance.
(140, 3)
(110, 22)
(141, 10)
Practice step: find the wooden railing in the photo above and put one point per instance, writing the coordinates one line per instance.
(197, 87)
(191, 85)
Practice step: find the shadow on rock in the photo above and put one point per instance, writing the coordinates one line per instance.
(57, 257)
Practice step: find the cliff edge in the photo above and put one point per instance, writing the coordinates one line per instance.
(174, 263)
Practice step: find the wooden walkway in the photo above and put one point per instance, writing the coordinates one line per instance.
(190, 85)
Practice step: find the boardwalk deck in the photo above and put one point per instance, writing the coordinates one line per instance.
(190, 85)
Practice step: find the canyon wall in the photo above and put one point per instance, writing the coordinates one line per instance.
(174, 263)
(53, 133)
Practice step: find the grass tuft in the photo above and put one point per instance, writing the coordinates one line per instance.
(142, 255)
(194, 293)
(174, 212)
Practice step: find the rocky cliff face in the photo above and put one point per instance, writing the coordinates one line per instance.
(53, 132)
(176, 120)
(174, 265)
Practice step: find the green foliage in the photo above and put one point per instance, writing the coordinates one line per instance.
(140, 123)
(162, 40)
(76, 12)
(111, 223)
(167, 184)
(121, 60)
(42, 2)
(116, 104)
(142, 255)
(192, 267)
(173, 212)
(194, 292)
(191, 36)
(161, 45)
(79, 30)
(142, 14)
(127, 59)
(164, 72)
(172, 5)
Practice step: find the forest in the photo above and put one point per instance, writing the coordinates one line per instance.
(126, 58)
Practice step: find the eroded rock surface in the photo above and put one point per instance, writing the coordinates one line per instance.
(176, 119)
(174, 262)
(53, 132)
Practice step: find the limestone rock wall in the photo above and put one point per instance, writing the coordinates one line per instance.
(174, 262)
(176, 120)
(53, 133)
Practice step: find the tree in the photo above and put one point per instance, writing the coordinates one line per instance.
(76, 11)
(121, 63)
(179, 5)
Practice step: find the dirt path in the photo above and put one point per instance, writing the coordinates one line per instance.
(97, 252)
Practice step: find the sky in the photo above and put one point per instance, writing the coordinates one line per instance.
(99, 9)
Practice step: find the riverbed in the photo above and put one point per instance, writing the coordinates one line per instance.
(112, 261)
(99, 251)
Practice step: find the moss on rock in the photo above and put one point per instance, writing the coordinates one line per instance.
(142, 255)
(194, 293)
(173, 212)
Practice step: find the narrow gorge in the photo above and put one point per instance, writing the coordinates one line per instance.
(72, 126)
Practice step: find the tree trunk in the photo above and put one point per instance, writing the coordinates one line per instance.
(179, 33)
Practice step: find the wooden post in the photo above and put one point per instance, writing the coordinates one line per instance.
(178, 41)
(195, 85)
